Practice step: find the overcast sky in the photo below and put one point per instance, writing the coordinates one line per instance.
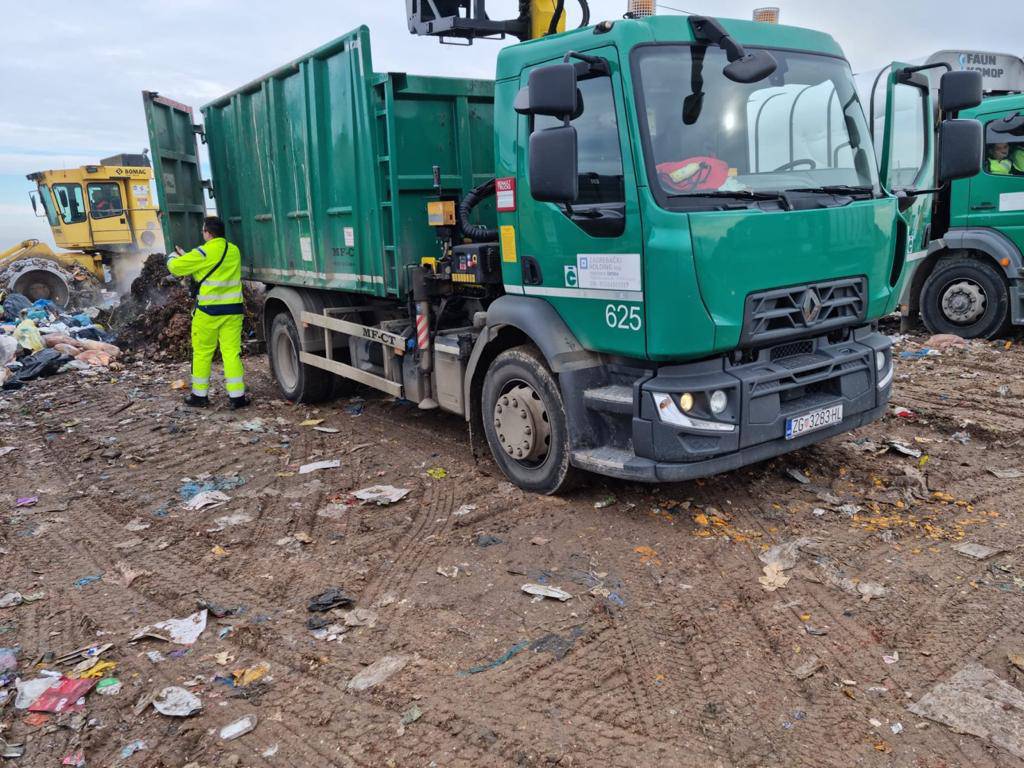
(72, 72)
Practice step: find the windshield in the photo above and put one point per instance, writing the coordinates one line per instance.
(802, 128)
(47, 202)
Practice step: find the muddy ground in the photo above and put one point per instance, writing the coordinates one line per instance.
(670, 652)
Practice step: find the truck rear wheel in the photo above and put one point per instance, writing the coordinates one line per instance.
(297, 381)
(966, 297)
(524, 420)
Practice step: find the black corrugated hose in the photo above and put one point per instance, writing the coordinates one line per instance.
(560, 9)
(475, 232)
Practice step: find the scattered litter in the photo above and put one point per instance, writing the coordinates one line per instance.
(76, 759)
(796, 474)
(511, 652)
(87, 580)
(175, 701)
(487, 540)
(238, 728)
(302, 537)
(30, 690)
(27, 501)
(381, 494)
(311, 423)
(811, 665)
(449, 572)
(903, 413)
(270, 751)
(411, 715)
(253, 425)
(7, 449)
(333, 511)
(67, 696)
(378, 672)
(896, 728)
(464, 510)
(327, 430)
(780, 558)
(773, 578)
(178, 384)
(977, 702)
(906, 450)
(891, 658)
(155, 656)
(437, 473)
(917, 354)
(10, 749)
(541, 591)
(305, 469)
(11, 600)
(961, 437)
(108, 686)
(1007, 474)
(946, 341)
(206, 499)
(361, 617)
(976, 551)
(329, 599)
(130, 749)
(604, 503)
(136, 525)
(243, 678)
(128, 575)
(178, 631)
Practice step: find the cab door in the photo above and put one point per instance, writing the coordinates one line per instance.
(179, 184)
(907, 160)
(108, 214)
(997, 200)
(586, 258)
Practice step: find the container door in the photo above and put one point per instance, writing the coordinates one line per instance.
(586, 259)
(108, 213)
(172, 141)
(997, 194)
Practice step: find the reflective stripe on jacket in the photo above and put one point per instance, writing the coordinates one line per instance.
(221, 290)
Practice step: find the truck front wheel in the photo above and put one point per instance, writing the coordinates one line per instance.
(966, 297)
(298, 382)
(524, 420)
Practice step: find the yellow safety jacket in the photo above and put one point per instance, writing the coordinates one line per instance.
(216, 266)
(1000, 167)
(1017, 158)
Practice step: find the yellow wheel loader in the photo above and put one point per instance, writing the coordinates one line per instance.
(105, 217)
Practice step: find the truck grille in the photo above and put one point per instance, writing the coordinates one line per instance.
(770, 316)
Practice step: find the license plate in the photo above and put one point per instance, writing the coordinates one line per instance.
(813, 421)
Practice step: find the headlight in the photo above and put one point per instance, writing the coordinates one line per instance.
(686, 402)
(719, 401)
(880, 361)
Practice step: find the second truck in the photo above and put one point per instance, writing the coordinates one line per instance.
(653, 248)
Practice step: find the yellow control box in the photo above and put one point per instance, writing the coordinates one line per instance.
(441, 213)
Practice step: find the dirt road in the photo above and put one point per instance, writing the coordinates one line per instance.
(671, 652)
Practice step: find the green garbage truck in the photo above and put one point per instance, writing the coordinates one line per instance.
(652, 248)
(969, 278)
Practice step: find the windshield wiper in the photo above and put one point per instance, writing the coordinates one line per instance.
(836, 189)
(743, 194)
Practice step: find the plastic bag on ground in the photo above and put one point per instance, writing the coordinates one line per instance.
(8, 349)
(44, 363)
(13, 305)
(28, 336)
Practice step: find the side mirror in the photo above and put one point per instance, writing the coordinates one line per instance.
(960, 90)
(751, 68)
(554, 170)
(961, 149)
(551, 91)
(35, 208)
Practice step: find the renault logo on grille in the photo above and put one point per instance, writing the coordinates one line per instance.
(811, 306)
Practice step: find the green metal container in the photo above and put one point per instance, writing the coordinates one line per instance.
(322, 169)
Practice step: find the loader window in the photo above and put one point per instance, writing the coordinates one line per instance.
(1004, 146)
(105, 200)
(909, 149)
(70, 202)
(47, 202)
(601, 208)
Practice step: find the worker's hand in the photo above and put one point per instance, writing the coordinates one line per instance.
(179, 250)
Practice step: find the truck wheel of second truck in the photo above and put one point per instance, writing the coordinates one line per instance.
(298, 382)
(524, 421)
(966, 297)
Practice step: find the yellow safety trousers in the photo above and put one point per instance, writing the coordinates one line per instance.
(208, 333)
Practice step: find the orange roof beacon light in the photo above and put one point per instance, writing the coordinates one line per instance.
(768, 15)
(640, 9)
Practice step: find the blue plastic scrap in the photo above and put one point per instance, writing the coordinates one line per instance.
(194, 488)
(87, 580)
(515, 649)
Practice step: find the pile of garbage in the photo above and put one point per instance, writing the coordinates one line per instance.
(154, 321)
(38, 339)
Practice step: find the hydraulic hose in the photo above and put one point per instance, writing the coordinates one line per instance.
(560, 9)
(476, 232)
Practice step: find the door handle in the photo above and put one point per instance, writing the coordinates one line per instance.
(983, 207)
(531, 271)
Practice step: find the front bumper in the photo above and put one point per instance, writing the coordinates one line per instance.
(783, 382)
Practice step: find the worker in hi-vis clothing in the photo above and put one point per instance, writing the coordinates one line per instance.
(216, 268)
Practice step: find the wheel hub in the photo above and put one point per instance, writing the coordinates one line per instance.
(963, 302)
(521, 424)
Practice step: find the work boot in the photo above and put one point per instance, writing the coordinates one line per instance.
(196, 401)
(239, 402)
